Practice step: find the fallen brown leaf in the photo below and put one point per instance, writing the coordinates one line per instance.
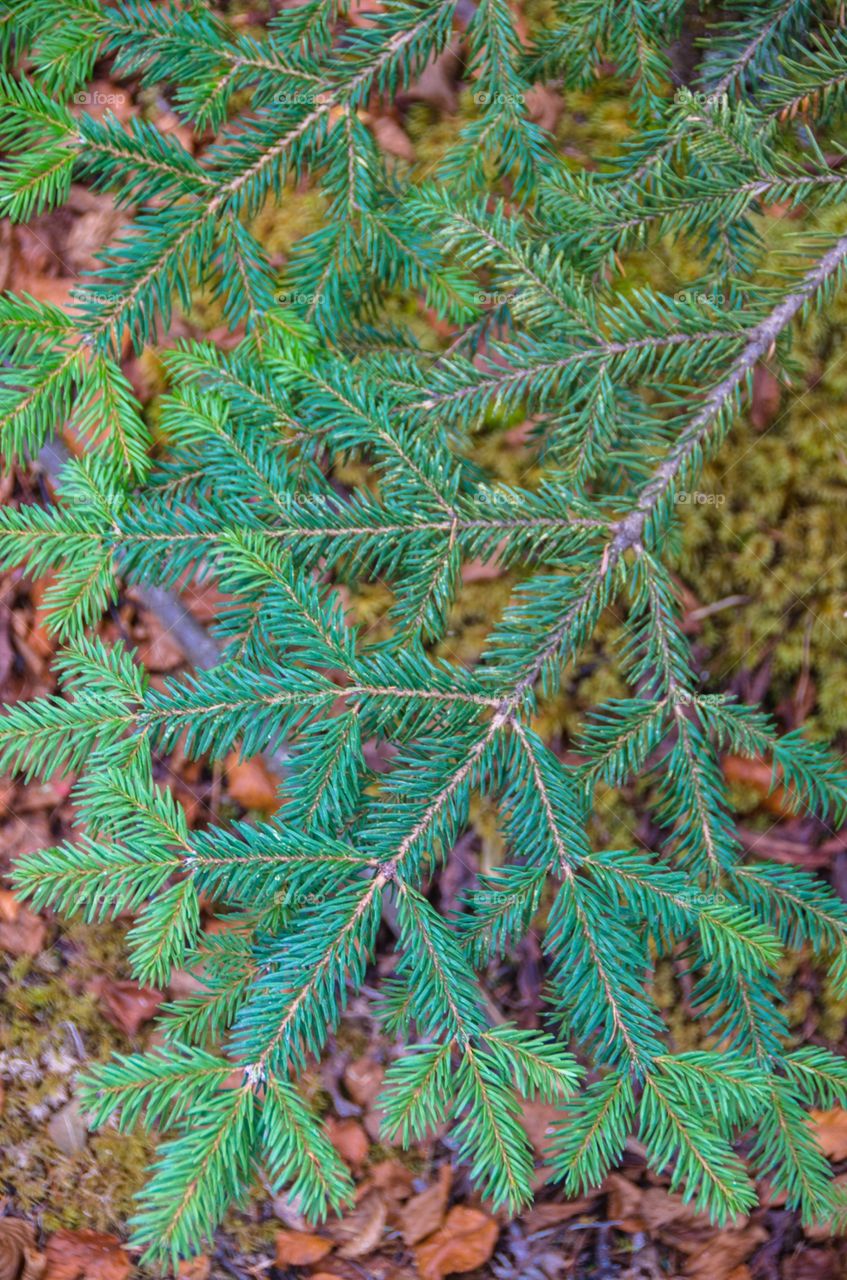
(711, 1253)
(539, 1119)
(30, 255)
(28, 651)
(424, 1213)
(9, 907)
(363, 1081)
(465, 1242)
(288, 1213)
(482, 570)
(94, 222)
(52, 289)
(251, 784)
(85, 1255)
(183, 983)
(436, 84)
(769, 1198)
(814, 1264)
(757, 775)
(543, 1216)
(195, 1268)
(392, 1178)
(349, 1139)
(33, 800)
(169, 122)
(25, 935)
(159, 652)
(722, 1255)
(831, 1131)
(545, 106)
(34, 1266)
(127, 1005)
(360, 1232)
(300, 1248)
(392, 139)
(649, 1209)
(17, 1242)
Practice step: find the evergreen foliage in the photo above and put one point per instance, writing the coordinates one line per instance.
(629, 390)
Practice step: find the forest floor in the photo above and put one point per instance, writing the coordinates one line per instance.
(767, 556)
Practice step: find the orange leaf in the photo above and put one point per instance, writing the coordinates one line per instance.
(424, 1213)
(298, 1248)
(10, 908)
(539, 1120)
(85, 1255)
(545, 106)
(392, 139)
(360, 1232)
(831, 1131)
(757, 775)
(349, 1139)
(195, 1268)
(126, 1004)
(392, 1178)
(251, 783)
(24, 935)
(723, 1254)
(464, 1243)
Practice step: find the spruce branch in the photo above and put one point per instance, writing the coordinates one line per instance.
(722, 398)
(329, 459)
